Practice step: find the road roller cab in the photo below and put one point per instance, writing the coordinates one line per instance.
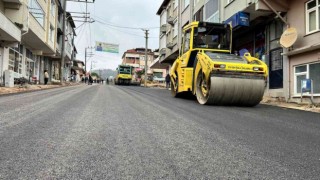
(124, 75)
(207, 68)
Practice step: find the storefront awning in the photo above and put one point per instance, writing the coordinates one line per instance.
(157, 65)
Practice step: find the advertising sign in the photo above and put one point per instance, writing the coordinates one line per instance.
(107, 47)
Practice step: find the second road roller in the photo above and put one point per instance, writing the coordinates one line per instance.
(207, 68)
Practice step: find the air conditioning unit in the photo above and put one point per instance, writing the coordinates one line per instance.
(163, 51)
(170, 45)
(170, 20)
(163, 28)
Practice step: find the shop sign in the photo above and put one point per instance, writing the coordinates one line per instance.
(239, 19)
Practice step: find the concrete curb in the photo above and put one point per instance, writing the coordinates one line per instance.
(288, 106)
(34, 90)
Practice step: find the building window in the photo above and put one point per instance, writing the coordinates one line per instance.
(229, 1)
(195, 2)
(53, 8)
(186, 3)
(211, 11)
(176, 3)
(36, 11)
(308, 71)
(214, 18)
(312, 16)
(15, 60)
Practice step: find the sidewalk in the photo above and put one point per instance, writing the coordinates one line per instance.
(279, 103)
(28, 88)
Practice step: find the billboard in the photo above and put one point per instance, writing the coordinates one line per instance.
(107, 47)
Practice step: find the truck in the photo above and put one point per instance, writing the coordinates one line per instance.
(207, 69)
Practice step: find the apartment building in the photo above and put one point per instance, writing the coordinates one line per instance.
(31, 38)
(77, 70)
(36, 20)
(169, 31)
(136, 58)
(304, 56)
(257, 28)
(10, 36)
(35, 26)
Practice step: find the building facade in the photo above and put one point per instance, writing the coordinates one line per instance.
(29, 38)
(136, 59)
(37, 21)
(263, 23)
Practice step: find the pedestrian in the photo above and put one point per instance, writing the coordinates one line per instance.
(46, 77)
(168, 81)
(107, 80)
(90, 80)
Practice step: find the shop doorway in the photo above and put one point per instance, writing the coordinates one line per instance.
(276, 69)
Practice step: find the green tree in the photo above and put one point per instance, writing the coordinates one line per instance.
(139, 73)
(94, 74)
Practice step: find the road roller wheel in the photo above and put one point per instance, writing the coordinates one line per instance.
(174, 91)
(202, 89)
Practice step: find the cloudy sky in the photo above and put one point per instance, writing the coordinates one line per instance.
(109, 15)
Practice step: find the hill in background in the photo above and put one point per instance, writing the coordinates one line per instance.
(105, 72)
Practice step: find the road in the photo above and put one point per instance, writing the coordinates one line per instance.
(124, 132)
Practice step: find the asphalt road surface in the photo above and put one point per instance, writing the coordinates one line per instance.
(125, 132)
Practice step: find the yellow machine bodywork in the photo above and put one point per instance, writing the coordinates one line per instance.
(212, 73)
(124, 75)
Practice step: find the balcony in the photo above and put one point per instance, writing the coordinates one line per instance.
(8, 31)
(12, 4)
(13, 1)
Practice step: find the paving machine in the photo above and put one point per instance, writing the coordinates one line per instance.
(124, 75)
(206, 68)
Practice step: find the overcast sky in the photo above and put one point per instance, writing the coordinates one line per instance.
(112, 13)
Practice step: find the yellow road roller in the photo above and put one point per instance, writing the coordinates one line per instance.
(207, 68)
(124, 75)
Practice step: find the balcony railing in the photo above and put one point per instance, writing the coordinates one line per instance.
(13, 1)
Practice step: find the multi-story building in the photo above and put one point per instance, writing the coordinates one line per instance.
(70, 50)
(31, 37)
(136, 58)
(10, 36)
(37, 23)
(77, 70)
(303, 58)
(257, 28)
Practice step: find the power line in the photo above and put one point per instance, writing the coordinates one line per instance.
(124, 27)
(112, 27)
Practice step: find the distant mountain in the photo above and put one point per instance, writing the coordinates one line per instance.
(106, 73)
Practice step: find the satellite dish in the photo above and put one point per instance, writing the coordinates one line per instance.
(289, 37)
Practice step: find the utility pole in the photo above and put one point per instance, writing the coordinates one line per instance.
(146, 59)
(85, 57)
(85, 61)
(63, 41)
(64, 19)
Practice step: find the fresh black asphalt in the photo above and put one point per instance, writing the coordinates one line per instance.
(128, 132)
